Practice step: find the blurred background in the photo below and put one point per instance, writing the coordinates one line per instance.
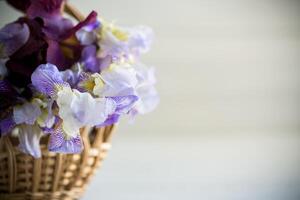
(227, 126)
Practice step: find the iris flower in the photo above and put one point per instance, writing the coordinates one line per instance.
(76, 109)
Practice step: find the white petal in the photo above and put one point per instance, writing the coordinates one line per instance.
(29, 138)
(119, 81)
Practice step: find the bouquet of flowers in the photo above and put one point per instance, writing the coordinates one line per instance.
(57, 75)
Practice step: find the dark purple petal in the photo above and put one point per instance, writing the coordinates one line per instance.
(6, 125)
(54, 28)
(21, 5)
(6, 88)
(58, 143)
(124, 103)
(8, 95)
(12, 37)
(90, 19)
(47, 130)
(44, 8)
(46, 78)
(24, 61)
(63, 54)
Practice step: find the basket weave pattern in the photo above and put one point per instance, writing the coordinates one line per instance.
(54, 176)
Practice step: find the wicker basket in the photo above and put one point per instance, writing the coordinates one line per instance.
(54, 175)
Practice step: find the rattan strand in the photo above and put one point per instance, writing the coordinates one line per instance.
(54, 176)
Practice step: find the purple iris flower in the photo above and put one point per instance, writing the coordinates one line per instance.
(64, 48)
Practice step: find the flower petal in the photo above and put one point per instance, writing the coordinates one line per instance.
(124, 103)
(86, 35)
(29, 138)
(148, 96)
(112, 119)
(21, 5)
(12, 37)
(148, 100)
(44, 8)
(140, 40)
(89, 59)
(47, 79)
(8, 95)
(119, 81)
(3, 69)
(7, 124)
(80, 109)
(33, 53)
(91, 19)
(124, 43)
(60, 144)
(26, 113)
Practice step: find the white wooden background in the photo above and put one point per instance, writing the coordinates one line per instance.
(227, 127)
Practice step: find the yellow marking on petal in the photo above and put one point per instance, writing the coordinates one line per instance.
(98, 84)
(66, 48)
(67, 52)
(117, 32)
(89, 85)
(121, 35)
(71, 41)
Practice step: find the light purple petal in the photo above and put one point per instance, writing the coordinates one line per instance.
(86, 37)
(105, 62)
(29, 138)
(89, 59)
(93, 25)
(60, 144)
(72, 76)
(90, 111)
(140, 40)
(26, 113)
(119, 81)
(148, 100)
(12, 37)
(46, 79)
(148, 96)
(124, 103)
